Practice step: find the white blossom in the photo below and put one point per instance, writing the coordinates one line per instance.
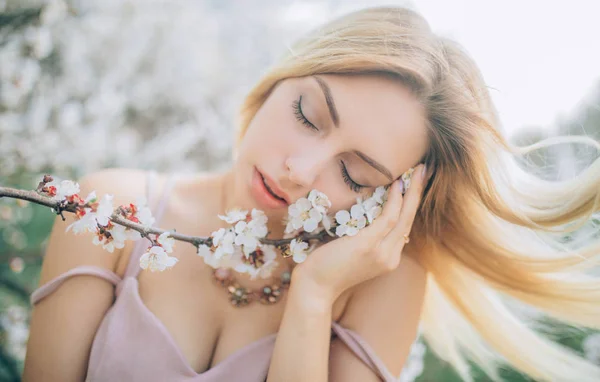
(166, 242)
(107, 244)
(289, 231)
(245, 237)
(226, 261)
(259, 216)
(264, 271)
(91, 197)
(64, 189)
(53, 11)
(207, 254)
(104, 210)
(68, 188)
(236, 261)
(223, 240)
(406, 178)
(129, 129)
(234, 215)
(144, 214)
(258, 224)
(120, 233)
(373, 206)
(326, 222)
(13, 321)
(372, 209)
(380, 195)
(39, 40)
(298, 250)
(350, 223)
(319, 201)
(21, 80)
(86, 223)
(303, 215)
(156, 259)
(248, 233)
(69, 116)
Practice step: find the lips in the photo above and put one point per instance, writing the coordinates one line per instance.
(273, 190)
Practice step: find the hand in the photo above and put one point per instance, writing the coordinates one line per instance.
(376, 249)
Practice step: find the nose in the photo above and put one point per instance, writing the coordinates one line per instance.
(305, 169)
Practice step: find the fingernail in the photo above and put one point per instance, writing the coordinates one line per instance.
(401, 185)
(423, 172)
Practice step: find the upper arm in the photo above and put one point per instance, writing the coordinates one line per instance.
(64, 323)
(385, 312)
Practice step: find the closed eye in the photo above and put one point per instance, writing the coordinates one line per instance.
(348, 180)
(297, 108)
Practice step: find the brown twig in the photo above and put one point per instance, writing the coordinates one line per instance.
(60, 206)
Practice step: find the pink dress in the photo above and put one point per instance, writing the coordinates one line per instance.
(132, 344)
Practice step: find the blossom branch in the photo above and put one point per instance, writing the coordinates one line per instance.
(62, 206)
(242, 246)
(34, 197)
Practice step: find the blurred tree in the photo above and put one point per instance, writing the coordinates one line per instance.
(91, 84)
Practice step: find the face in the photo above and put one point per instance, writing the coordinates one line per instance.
(343, 135)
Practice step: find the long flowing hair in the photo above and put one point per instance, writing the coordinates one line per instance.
(488, 231)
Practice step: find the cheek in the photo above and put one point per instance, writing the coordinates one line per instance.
(274, 126)
(340, 200)
(262, 134)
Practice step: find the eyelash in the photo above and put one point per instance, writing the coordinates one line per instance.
(352, 184)
(297, 107)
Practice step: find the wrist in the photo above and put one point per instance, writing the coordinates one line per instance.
(312, 294)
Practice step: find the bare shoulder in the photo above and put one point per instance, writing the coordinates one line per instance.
(67, 319)
(192, 195)
(407, 280)
(393, 302)
(410, 273)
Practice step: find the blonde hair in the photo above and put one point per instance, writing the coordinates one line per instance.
(486, 230)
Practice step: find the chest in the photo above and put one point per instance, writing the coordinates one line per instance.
(197, 313)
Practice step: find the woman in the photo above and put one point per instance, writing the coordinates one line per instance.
(357, 103)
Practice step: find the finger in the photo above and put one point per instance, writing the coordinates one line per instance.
(412, 198)
(386, 221)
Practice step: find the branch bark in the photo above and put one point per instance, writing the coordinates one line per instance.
(59, 207)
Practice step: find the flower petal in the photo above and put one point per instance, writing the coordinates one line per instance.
(342, 217)
(351, 231)
(299, 257)
(341, 230)
(304, 204)
(315, 215)
(289, 228)
(294, 210)
(357, 211)
(310, 225)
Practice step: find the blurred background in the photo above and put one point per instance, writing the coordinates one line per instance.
(88, 84)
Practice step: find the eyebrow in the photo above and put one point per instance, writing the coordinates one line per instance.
(329, 99)
(336, 121)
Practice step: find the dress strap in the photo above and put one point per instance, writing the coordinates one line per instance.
(88, 270)
(133, 268)
(363, 351)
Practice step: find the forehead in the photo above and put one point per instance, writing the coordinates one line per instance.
(379, 116)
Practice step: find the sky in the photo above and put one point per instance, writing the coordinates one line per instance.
(540, 58)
